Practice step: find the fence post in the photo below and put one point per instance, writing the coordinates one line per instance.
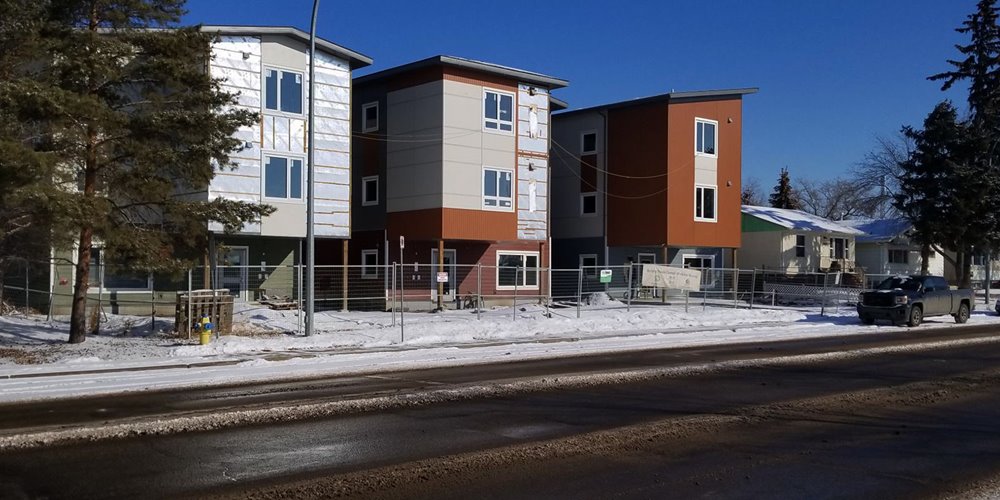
(402, 295)
(479, 291)
(736, 288)
(152, 308)
(687, 294)
(298, 322)
(27, 287)
(517, 271)
(628, 290)
(100, 293)
(187, 316)
(773, 294)
(753, 286)
(822, 307)
(548, 298)
(579, 291)
(393, 306)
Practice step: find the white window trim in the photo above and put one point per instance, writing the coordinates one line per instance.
(538, 273)
(96, 278)
(805, 246)
(513, 190)
(585, 195)
(288, 168)
(369, 272)
(594, 270)
(365, 202)
(368, 127)
(263, 90)
(715, 201)
(711, 276)
(513, 112)
(582, 142)
(713, 122)
(906, 256)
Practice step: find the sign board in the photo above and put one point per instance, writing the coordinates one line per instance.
(402, 242)
(660, 276)
(442, 277)
(605, 276)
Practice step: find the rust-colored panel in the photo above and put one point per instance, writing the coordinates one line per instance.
(588, 173)
(415, 224)
(682, 229)
(453, 224)
(473, 77)
(637, 147)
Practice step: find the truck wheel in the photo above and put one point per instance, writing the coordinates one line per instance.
(916, 316)
(963, 314)
(868, 320)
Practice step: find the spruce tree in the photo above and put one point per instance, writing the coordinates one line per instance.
(132, 129)
(783, 195)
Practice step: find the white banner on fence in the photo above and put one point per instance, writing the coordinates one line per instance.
(660, 276)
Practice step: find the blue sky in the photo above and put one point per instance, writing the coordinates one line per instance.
(832, 74)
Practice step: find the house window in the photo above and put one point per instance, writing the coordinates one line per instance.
(518, 269)
(800, 245)
(899, 256)
(706, 136)
(369, 117)
(589, 265)
(283, 91)
(839, 248)
(498, 189)
(588, 143)
(116, 277)
(704, 263)
(498, 111)
(282, 178)
(588, 203)
(369, 263)
(369, 191)
(704, 203)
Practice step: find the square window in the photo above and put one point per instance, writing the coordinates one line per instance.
(588, 203)
(498, 111)
(498, 188)
(369, 193)
(589, 265)
(704, 203)
(283, 91)
(282, 178)
(705, 137)
(369, 117)
(588, 143)
(517, 269)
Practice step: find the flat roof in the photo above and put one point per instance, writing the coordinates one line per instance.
(461, 62)
(694, 95)
(355, 59)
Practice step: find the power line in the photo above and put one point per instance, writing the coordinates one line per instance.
(595, 167)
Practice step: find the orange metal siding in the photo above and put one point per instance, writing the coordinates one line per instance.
(682, 229)
(453, 224)
(637, 146)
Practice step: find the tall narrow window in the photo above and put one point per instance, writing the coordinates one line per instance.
(283, 91)
(704, 203)
(498, 111)
(369, 117)
(800, 245)
(588, 143)
(369, 191)
(588, 203)
(498, 189)
(369, 263)
(706, 136)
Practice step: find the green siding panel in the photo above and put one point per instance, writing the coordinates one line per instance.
(753, 224)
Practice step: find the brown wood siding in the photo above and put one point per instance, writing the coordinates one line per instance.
(682, 229)
(637, 146)
(588, 173)
(472, 77)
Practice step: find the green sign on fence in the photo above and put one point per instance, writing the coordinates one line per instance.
(605, 276)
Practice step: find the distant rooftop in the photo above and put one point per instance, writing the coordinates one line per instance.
(356, 59)
(798, 220)
(879, 230)
(461, 62)
(694, 95)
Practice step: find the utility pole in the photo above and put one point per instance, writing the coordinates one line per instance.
(310, 194)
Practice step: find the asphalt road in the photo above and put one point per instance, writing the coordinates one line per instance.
(910, 423)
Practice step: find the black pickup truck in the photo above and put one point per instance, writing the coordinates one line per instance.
(910, 299)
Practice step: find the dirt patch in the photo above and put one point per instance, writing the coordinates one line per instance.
(22, 357)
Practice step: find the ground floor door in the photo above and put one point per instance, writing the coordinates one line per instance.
(450, 268)
(231, 271)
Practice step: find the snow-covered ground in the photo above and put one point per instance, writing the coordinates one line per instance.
(357, 342)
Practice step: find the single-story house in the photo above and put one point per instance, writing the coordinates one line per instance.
(885, 248)
(794, 241)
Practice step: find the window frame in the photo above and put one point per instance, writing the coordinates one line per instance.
(715, 124)
(499, 122)
(898, 251)
(833, 248)
(288, 172)
(706, 279)
(365, 125)
(802, 246)
(583, 142)
(482, 189)
(302, 92)
(365, 201)
(98, 251)
(524, 257)
(589, 194)
(698, 197)
(369, 271)
(592, 275)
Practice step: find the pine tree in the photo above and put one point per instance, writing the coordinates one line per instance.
(784, 196)
(131, 129)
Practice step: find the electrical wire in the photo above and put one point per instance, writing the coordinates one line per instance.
(595, 167)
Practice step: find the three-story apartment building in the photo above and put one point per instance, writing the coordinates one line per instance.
(453, 155)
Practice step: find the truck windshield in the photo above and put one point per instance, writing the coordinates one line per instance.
(901, 282)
